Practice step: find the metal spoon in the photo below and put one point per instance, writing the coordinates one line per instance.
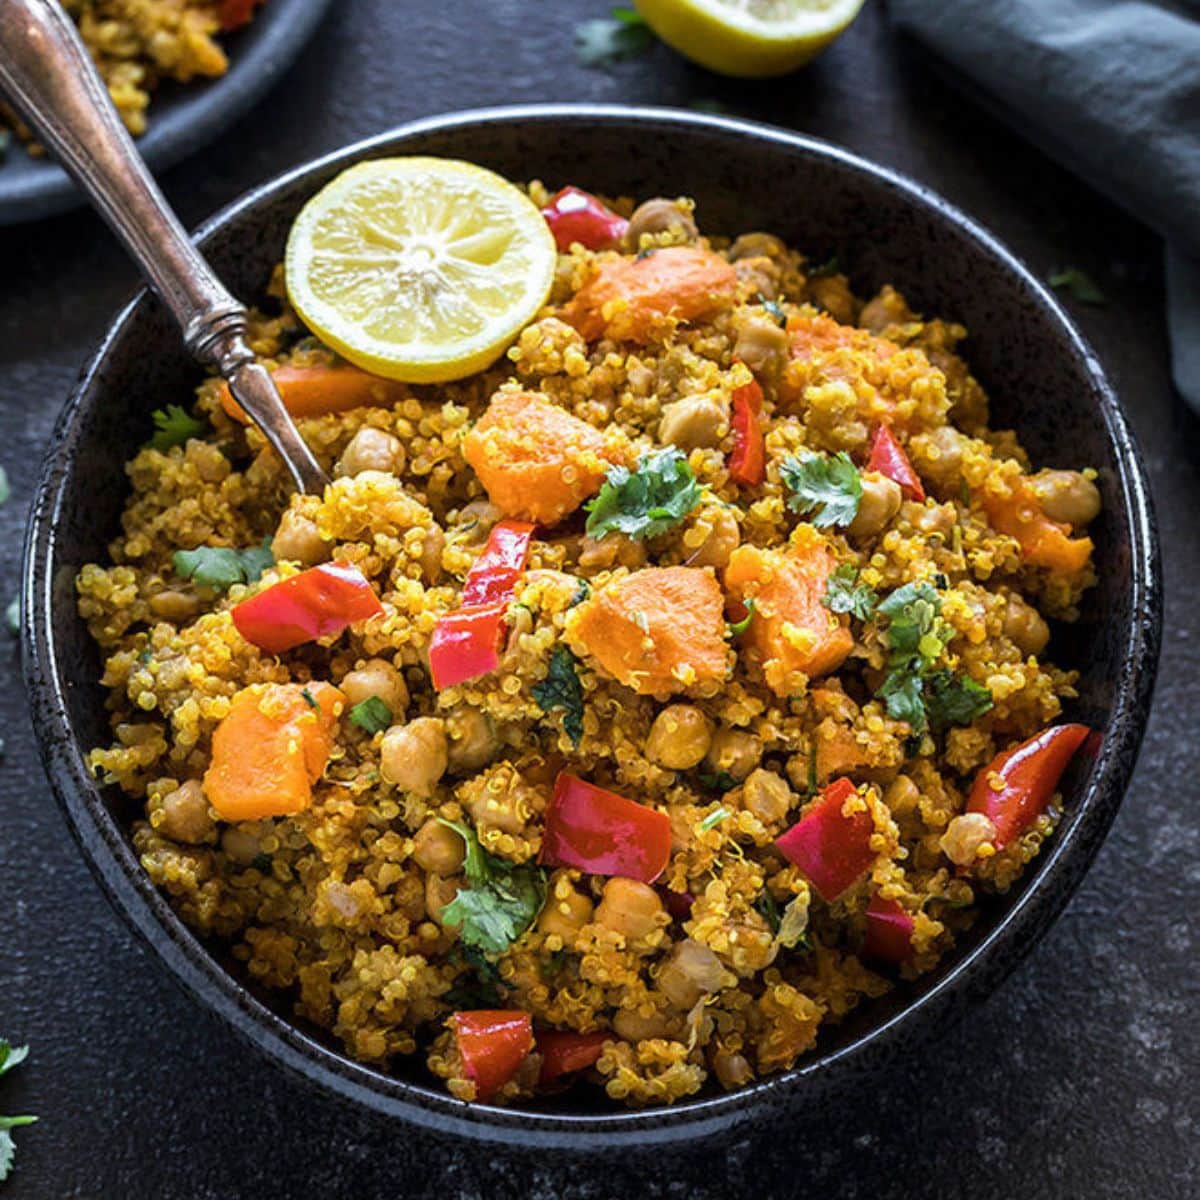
(48, 76)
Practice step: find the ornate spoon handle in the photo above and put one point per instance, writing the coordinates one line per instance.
(49, 78)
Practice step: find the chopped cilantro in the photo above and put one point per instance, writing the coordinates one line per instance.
(645, 502)
(768, 908)
(1079, 284)
(603, 42)
(826, 489)
(220, 567)
(561, 689)
(480, 989)
(309, 698)
(844, 594)
(261, 862)
(371, 714)
(917, 635)
(713, 819)
(717, 781)
(10, 1057)
(501, 900)
(582, 592)
(553, 962)
(739, 627)
(774, 308)
(173, 426)
(12, 616)
(645, 253)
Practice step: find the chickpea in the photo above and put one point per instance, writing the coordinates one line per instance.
(239, 846)
(880, 502)
(733, 751)
(473, 741)
(565, 916)
(439, 891)
(634, 1027)
(758, 276)
(175, 606)
(679, 738)
(723, 539)
(761, 344)
(431, 554)
(376, 677)
(438, 848)
(731, 1070)
(185, 814)
(902, 795)
(1067, 496)
(413, 757)
(753, 245)
(371, 449)
(964, 835)
(476, 520)
(693, 422)
(660, 215)
(297, 540)
(833, 294)
(611, 550)
(767, 796)
(888, 308)
(692, 970)
(1024, 626)
(630, 908)
(940, 456)
(932, 518)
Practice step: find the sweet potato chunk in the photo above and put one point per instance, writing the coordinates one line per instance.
(315, 391)
(537, 461)
(271, 748)
(658, 631)
(630, 299)
(1044, 543)
(791, 631)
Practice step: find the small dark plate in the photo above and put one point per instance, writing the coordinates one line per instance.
(1043, 379)
(182, 117)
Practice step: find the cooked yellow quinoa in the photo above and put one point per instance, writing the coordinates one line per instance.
(724, 968)
(138, 44)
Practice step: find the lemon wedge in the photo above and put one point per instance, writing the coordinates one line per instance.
(750, 38)
(419, 269)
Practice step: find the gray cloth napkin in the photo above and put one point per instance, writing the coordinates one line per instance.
(1111, 88)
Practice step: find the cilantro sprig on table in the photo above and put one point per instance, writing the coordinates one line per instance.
(220, 567)
(647, 501)
(10, 1057)
(826, 489)
(561, 689)
(605, 41)
(501, 899)
(173, 426)
(916, 691)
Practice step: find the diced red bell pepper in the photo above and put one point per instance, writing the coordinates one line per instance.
(748, 462)
(606, 834)
(564, 1051)
(467, 643)
(832, 849)
(233, 14)
(317, 603)
(577, 216)
(889, 931)
(493, 1044)
(1027, 776)
(888, 458)
(494, 574)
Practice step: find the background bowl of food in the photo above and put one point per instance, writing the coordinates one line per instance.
(1042, 380)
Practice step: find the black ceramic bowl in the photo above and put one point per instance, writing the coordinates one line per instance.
(1042, 378)
(183, 117)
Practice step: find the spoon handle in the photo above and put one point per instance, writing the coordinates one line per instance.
(49, 78)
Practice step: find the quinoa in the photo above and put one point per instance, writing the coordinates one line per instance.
(331, 907)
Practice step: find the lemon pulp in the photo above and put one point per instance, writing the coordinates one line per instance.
(751, 38)
(419, 269)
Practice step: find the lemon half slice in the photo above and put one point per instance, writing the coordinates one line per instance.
(419, 269)
(750, 38)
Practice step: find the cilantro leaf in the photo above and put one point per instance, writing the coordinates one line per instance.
(173, 427)
(954, 700)
(561, 689)
(774, 308)
(220, 567)
(904, 692)
(371, 714)
(1079, 284)
(645, 502)
(603, 42)
(831, 266)
(768, 908)
(501, 900)
(10, 1057)
(825, 489)
(717, 781)
(713, 819)
(844, 594)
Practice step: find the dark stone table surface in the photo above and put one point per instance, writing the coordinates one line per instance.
(1080, 1077)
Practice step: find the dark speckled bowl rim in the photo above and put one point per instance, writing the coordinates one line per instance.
(1065, 859)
